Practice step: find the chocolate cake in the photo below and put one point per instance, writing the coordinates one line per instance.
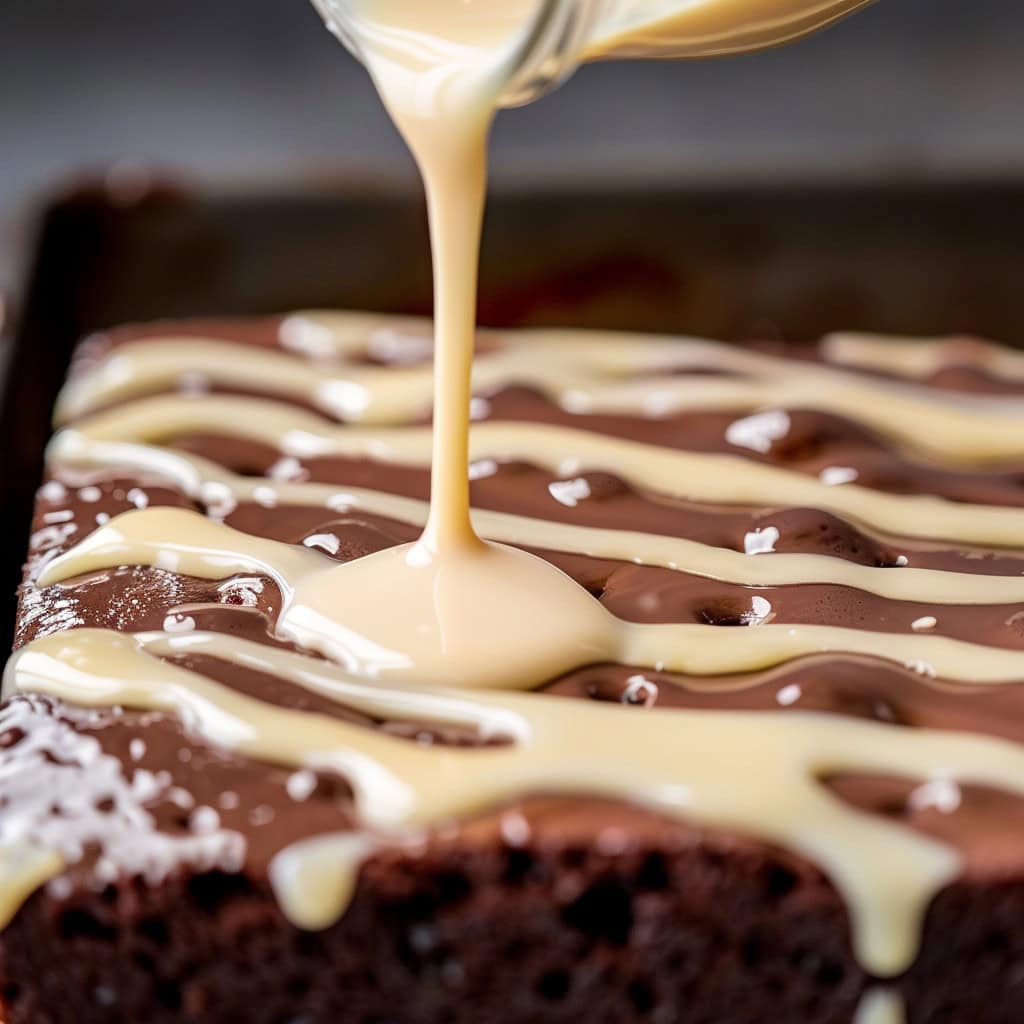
(830, 537)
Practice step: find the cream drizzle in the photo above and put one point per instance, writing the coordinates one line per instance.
(314, 880)
(329, 336)
(340, 611)
(693, 476)
(24, 867)
(208, 483)
(748, 771)
(921, 357)
(442, 72)
(450, 598)
(344, 612)
(307, 887)
(578, 371)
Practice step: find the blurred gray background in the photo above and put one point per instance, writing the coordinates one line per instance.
(250, 91)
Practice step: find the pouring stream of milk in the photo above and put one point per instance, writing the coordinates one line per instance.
(442, 69)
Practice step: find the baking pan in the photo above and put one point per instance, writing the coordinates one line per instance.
(791, 262)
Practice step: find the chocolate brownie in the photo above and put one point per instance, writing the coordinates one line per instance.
(141, 859)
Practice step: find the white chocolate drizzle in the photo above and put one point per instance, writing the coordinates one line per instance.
(209, 484)
(315, 879)
(921, 357)
(693, 476)
(457, 647)
(743, 770)
(340, 611)
(24, 867)
(583, 372)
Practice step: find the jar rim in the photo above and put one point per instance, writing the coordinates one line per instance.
(553, 48)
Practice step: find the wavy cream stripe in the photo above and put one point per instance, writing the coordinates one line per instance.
(378, 699)
(332, 334)
(957, 430)
(921, 357)
(698, 649)
(313, 588)
(207, 482)
(692, 476)
(751, 772)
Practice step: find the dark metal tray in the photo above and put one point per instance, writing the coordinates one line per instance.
(794, 262)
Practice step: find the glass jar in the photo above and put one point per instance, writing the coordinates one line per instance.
(553, 37)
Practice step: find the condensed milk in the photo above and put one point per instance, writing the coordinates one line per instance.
(443, 68)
